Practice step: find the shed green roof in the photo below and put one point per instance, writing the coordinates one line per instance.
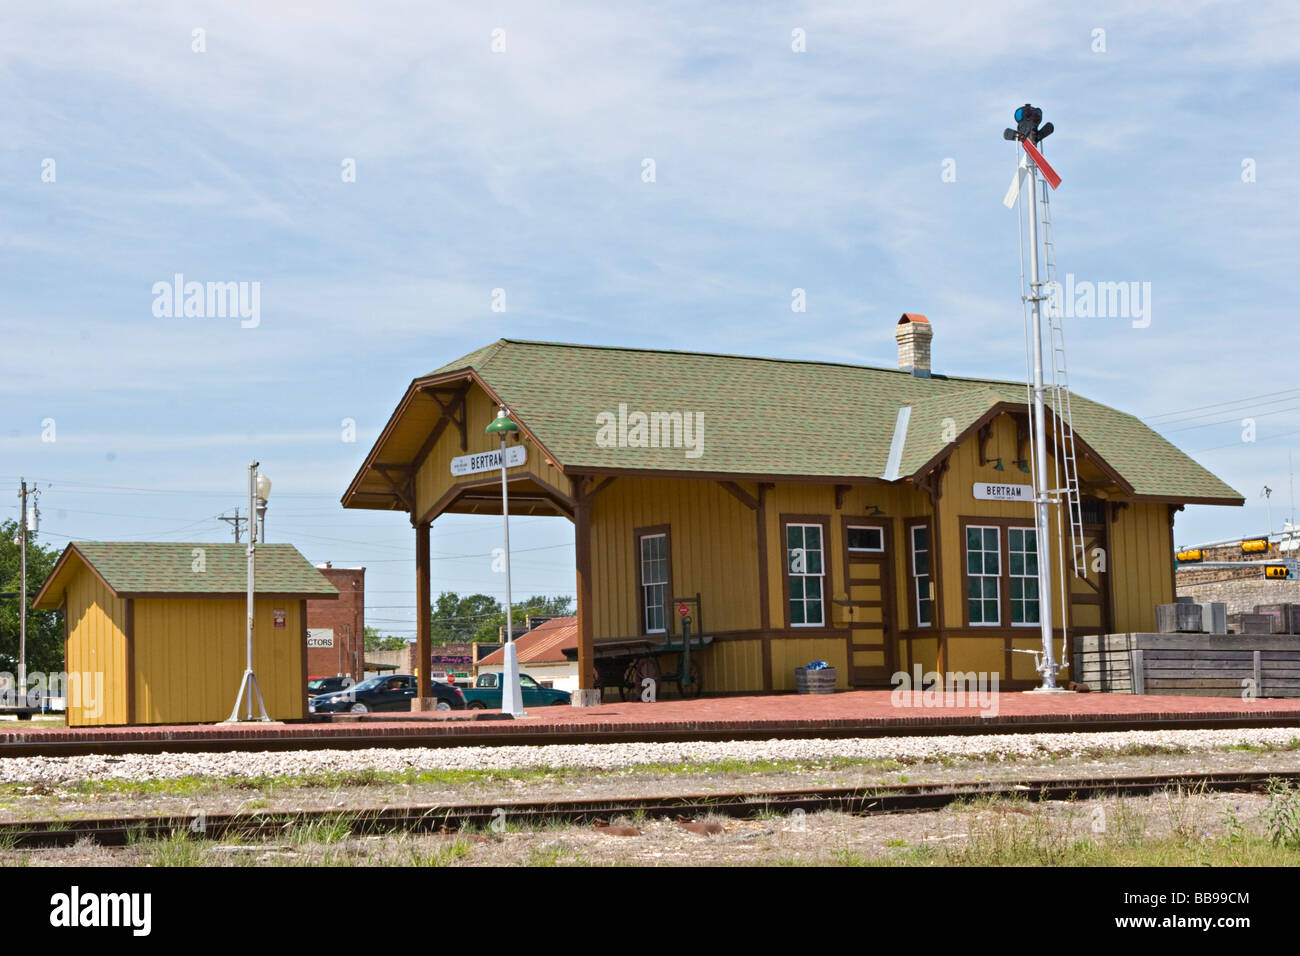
(790, 418)
(185, 569)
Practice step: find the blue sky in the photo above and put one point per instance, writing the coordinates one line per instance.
(522, 170)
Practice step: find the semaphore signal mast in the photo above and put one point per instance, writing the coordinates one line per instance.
(1030, 131)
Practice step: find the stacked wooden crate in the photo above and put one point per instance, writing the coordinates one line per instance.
(1201, 665)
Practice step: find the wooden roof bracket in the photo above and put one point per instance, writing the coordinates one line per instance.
(984, 435)
(741, 495)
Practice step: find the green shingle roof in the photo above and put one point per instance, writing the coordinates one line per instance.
(169, 568)
(788, 418)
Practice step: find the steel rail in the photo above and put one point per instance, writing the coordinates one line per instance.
(451, 819)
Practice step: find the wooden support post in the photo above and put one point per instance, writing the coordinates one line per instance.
(587, 694)
(1258, 667)
(423, 613)
(1138, 678)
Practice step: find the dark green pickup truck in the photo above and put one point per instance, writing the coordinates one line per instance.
(486, 693)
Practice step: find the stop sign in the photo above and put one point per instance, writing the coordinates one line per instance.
(683, 610)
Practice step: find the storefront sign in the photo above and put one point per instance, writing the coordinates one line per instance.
(992, 491)
(488, 461)
(320, 637)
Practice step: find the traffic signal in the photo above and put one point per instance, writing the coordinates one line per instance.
(1190, 556)
(1277, 572)
(1254, 546)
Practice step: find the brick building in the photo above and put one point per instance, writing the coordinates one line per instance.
(336, 629)
(1239, 588)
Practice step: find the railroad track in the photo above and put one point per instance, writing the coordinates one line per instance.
(900, 798)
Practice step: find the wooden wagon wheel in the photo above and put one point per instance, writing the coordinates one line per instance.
(637, 671)
(693, 689)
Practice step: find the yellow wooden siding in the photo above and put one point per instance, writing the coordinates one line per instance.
(981, 654)
(434, 477)
(925, 651)
(1143, 564)
(713, 544)
(190, 657)
(732, 666)
(1022, 665)
(96, 647)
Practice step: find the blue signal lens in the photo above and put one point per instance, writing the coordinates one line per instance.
(1020, 114)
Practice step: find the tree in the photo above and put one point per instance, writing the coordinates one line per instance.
(457, 619)
(44, 628)
(537, 605)
(375, 642)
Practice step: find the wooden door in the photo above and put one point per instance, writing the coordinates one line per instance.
(868, 574)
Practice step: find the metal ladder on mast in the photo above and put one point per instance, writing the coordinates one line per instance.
(1064, 458)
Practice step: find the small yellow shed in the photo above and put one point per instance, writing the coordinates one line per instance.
(154, 632)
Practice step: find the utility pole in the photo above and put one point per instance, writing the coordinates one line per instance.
(235, 521)
(22, 591)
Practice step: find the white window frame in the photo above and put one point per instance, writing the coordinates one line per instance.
(1012, 577)
(805, 575)
(879, 529)
(646, 605)
(916, 578)
(996, 578)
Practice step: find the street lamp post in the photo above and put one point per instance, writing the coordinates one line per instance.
(259, 489)
(511, 696)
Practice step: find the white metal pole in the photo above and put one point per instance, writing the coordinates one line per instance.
(1047, 669)
(248, 685)
(511, 694)
(252, 572)
(22, 595)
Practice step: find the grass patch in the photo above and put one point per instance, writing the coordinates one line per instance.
(174, 850)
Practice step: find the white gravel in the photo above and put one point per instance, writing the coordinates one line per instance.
(991, 747)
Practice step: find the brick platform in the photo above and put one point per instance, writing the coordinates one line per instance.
(852, 714)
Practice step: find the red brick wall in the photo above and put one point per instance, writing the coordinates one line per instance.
(346, 617)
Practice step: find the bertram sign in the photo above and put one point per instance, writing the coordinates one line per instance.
(992, 491)
(488, 461)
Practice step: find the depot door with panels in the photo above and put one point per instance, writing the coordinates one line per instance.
(869, 610)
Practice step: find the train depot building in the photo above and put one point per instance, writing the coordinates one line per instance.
(161, 627)
(873, 518)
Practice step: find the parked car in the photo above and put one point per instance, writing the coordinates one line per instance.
(393, 692)
(328, 685)
(486, 693)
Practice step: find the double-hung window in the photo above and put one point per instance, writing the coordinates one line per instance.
(1022, 563)
(923, 611)
(654, 582)
(806, 571)
(983, 575)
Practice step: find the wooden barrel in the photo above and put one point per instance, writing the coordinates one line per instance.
(814, 682)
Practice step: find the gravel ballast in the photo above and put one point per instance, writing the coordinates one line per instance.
(613, 757)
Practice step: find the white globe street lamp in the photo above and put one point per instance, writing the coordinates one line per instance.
(259, 489)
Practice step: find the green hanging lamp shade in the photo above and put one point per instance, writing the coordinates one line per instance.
(502, 425)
